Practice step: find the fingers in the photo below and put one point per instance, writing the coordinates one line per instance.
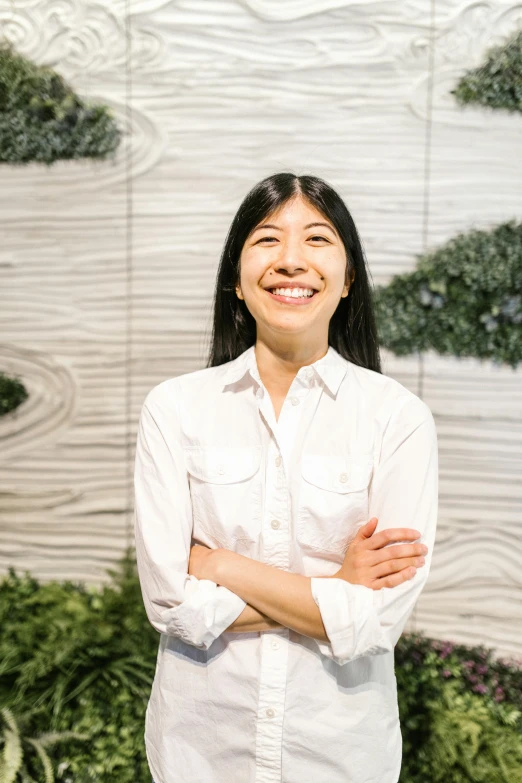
(389, 536)
(392, 580)
(366, 530)
(395, 565)
(399, 551)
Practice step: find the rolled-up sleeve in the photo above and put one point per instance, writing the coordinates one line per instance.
(404, 493)
(177, 603)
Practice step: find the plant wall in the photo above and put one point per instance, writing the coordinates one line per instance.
(465, 299)
(42, 119)
(12, 393)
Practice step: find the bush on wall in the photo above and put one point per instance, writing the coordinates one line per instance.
(497, 83)
(41, 118)
(463, 299)
(77, 665)
(12, 393)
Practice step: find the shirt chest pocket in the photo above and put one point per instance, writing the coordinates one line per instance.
(333, 501)
(226, 491)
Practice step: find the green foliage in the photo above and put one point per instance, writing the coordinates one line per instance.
(13, 764)
(461, 713)
(12, 394)
(41, 119)
(77, 664)
(498, 82)
(463, 299)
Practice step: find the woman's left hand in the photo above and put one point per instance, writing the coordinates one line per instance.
(200, 561)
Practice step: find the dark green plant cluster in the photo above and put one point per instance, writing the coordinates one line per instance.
(12, 393)
(461, 712)
(41, 118)
(77, 665)
(76, 668)
(463, 299)
(498, 82)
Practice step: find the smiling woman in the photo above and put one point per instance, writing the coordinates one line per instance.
(269, 487)
(294, 232)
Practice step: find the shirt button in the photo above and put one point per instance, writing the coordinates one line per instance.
(278, 461)
(275, 645)
(343, 477)
(275, 523)
(270, 712)
(294, 400)
(221, 469)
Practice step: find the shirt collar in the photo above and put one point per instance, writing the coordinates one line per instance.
(331, 369)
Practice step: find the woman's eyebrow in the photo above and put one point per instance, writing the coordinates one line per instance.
(277, 228)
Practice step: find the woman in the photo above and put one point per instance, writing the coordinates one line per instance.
(273, 490)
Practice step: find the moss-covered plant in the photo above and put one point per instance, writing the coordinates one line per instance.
(12, 394)
(462, 299)
(41, 118)
(77, 664)
(497, 83)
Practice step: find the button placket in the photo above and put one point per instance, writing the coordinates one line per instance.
(272, 688)
(276, 507)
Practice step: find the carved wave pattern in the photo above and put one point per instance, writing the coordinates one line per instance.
(107, 269)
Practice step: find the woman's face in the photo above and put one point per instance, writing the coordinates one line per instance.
(286, 250)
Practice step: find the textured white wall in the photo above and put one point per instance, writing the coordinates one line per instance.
(107, 269)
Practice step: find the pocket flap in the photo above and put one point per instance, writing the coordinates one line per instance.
(337, 474)
(223, 464)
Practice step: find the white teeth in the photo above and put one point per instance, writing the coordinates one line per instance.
(293, 292)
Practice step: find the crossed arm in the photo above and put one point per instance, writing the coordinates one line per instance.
(237, 593)
(275, 598)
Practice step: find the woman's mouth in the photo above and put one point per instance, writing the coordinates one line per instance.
(302, 298)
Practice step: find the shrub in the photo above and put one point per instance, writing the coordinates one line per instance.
(77, 665)
(12, 393)
(497, 83)
(463, 299)
(41, 118)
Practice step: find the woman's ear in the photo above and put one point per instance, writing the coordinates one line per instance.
(348, 284)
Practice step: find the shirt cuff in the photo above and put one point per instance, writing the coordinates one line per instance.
(206, 611)
(349, 618)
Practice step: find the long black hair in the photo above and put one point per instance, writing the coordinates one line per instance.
(352, 329)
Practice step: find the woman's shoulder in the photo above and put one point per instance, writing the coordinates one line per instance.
(388, 396)
(189, 385)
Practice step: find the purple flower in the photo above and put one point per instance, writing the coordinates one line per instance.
(499, 694)
(468, 664)
(446, 673)
(480, 688)
(482, 668)
(446, 650)
(472, 678)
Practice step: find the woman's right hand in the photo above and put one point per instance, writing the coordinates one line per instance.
(369, 562)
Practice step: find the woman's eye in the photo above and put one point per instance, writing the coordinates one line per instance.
(264, 239)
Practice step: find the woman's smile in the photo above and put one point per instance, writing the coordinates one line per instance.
(291, 300)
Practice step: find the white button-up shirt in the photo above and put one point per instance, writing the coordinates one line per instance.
(214, 466)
